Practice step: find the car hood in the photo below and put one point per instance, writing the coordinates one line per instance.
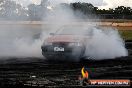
(65, 38)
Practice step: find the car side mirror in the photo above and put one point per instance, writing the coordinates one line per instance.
(52, 33)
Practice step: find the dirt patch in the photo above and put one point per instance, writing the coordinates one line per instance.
(40, 73)
(114, 23)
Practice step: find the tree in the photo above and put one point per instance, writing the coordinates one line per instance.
(12, 11)
(86, 8)
(122, 10)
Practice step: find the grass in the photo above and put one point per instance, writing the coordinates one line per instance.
(126, 34)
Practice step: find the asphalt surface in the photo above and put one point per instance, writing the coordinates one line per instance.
(37, 72)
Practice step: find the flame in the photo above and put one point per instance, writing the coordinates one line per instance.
(84, 73)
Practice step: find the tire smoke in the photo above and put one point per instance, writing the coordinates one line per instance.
(105, 44)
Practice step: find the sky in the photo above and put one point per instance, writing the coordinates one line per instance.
(103, 4)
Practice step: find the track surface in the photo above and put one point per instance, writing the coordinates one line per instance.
(37, 72)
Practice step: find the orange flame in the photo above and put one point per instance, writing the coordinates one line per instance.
(84, 73)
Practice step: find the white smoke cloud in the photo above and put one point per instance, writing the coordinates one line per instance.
(105, 44)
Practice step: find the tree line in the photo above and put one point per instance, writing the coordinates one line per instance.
(11, 10)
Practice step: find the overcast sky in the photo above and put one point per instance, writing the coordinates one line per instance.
(99, 3)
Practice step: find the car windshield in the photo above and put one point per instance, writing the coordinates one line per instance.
(74, 30)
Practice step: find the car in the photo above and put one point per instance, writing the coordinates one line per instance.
(67, 43)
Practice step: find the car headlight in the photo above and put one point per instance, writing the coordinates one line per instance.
(75, 44)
